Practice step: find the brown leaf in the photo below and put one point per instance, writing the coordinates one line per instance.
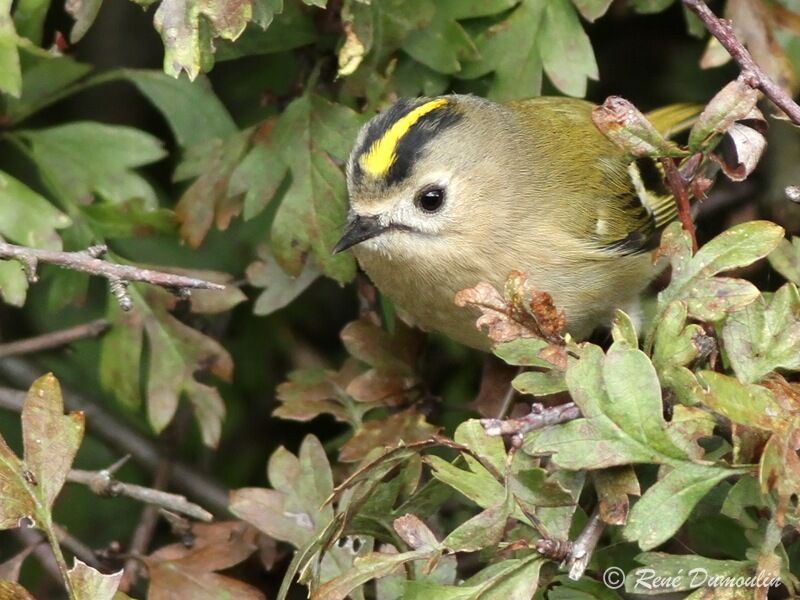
(10, 590)
(514, 316)
(178, 572)
(741, 148)
(379, 386)
(90, 584)
(408, 426)
(613, 486)
(369, 343)
(414, 532)
(50, 438)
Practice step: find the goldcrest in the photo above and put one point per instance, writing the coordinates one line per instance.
(451, 191)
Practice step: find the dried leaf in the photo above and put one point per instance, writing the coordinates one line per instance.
(415, 533)
(622, 123)
(613, 488)
(732, 103)
(90, 584)
(740, 151)
(407, 426)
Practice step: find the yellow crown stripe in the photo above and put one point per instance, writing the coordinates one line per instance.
(379, 158)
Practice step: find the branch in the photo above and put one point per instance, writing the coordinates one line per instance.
(117, 435)
(576, 555)
(752, 74)
(677, 186)
(540, 416)
(102, 483)
(90, 261)
(54, 339)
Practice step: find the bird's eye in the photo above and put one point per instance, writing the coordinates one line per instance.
(430, 199)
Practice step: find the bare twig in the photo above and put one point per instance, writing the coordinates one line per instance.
(76, 547)
(54, 339)
(143, 534)
(752, 74)
(102, 484)
(681, 194)
(583, 547)
(117, 435)
(90, 261)
(576, 555)
(540, 416)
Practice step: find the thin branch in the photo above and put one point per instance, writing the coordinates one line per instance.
(677, 185)
(584, 545)
(76, 547)
(145, 529)
(102, 484)
(752, 74)
(117, 435)
(90, 261)
(54, 339)
(540, 416)
(41, 550)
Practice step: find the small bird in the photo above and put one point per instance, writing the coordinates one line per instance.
(451, 191)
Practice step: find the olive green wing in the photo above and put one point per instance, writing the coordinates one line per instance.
(619, 204)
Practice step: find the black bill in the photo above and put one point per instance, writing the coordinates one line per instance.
(359, 229)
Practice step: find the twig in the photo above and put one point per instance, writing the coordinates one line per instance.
(116, 434)
(90, 261)
(576, 555)
(76, 547)
(143, 534)
(540, 416)
(584, 545)
(54, 339)
(102, 484)
(752, 74)
(678, 187)
(41, 550)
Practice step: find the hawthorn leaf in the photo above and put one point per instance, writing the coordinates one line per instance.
(490, 448)
(50, 441)
(733, 103)
(511, 50)
(278, 288)
(484, 530)
(84, 12)
(476, 484)
(313, 134)
(710, 298)
(540, 383)
(178, 571)
(613, 487)
(309, 393)
(10, 72)
(785, 259)
(444, 43)
(406, 426)
(260, 174)
(591, 10)
(624, 330)
(188, 28)
(510, 579)
(28, 218)
(620, 398)
(566, 51)
(583, 589)
(625, 125)
(192, 110)
(765, 335)
(684, 571)
(85, 158)
(672, 498)
(208, 199)
(90, 584)
(294, 511)
(415, 533)
(748, 404)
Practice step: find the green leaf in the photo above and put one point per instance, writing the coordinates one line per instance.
(259, 175)
(747, 404)
(43, 82)
(192, 110)
(188, 28)
(583, 589)
(84, 12)
(313, 133)
(131, 219)
(592, 9)
(90, 584)
(620, 399)
(511, 50)
(624, 330)
(27, 218)
(707, 297)
(733, 103)
(565, 48)
(477, 484)
(490, 448)
(666, 505)
(10, 72)
(524, 352)
(651, 6)
(444, 43)
(29, 16)
(84, 157)
(291, 28)
(484, 530)
(785, 259)
(540, 383)
(764, 336)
